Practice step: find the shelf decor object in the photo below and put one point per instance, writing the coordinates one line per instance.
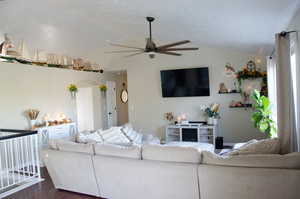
(230, 92)
(20, 54)
(250, 72)
(241, 106)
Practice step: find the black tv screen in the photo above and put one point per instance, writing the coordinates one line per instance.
(185, 82)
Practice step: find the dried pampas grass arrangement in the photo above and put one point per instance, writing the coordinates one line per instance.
(33, 114)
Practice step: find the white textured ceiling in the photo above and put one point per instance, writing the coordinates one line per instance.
(83, 27)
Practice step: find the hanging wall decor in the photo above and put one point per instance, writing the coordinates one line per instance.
(124, 94)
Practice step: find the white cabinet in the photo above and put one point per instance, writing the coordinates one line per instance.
(55, 132)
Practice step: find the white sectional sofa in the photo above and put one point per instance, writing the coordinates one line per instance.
(170, 172)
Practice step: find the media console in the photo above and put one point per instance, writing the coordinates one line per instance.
(191, 132)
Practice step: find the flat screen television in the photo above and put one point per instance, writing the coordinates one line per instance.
(185, 82)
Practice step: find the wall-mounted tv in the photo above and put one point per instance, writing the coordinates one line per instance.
(185, 82)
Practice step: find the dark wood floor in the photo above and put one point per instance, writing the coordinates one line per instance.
(46, 190)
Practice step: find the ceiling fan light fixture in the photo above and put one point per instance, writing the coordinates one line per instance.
(151, 55)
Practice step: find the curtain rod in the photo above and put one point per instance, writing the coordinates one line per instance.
(282, 34)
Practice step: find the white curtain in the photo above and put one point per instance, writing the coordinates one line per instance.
(295, 65)
(285, 91)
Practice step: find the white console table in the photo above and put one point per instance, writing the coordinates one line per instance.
(194, 132)
(67, 130)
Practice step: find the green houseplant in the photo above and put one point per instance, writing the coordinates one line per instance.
(262, 116)
(73, 89)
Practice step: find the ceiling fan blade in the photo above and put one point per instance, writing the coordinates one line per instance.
(168, 53)
(178, 49)
(134, 54)
(125, 46)
(124, 51)
(173, 44)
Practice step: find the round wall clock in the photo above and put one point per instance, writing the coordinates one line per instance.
(251, 66)
(124, 96)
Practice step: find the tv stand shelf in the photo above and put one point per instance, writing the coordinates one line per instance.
(191, 133)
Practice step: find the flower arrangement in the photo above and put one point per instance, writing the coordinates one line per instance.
(103, 88)
(213, 111)
(169, 116)
(248, 74)
(73, 88)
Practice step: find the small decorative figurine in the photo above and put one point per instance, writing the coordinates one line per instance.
(223, 88)
(251, 66)
(5, 45)
(229, 70)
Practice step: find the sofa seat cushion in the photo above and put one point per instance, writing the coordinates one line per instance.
(171, 153)
(133, 151)
(288, 161)
(70, 146)
(197, 145)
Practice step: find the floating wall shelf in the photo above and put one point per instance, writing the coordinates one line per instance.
(242, 106)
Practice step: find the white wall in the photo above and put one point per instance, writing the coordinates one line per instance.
(295, 22)
(147, 107)
(23, 87)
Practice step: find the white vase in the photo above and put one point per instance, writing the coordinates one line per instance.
(215, 121)
(210, 121)
(32, 123)
(73, 94)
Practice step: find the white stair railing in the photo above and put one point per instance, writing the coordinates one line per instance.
(19, 160)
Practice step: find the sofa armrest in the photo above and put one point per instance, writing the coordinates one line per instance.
(247, 183)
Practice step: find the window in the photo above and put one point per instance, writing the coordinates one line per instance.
(294, 76)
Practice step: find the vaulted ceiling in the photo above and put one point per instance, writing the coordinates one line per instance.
(83, 27)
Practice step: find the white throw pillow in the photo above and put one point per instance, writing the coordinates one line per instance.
(131, 134)
(114, 135)
(88, 137)
(265, 146)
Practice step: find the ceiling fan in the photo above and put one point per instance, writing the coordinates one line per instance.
(151, 48)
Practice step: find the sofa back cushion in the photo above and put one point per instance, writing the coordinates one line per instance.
(265, 146)
(114, 135)
(171, 153)
(133, 151)
(131, 134)
(70, 146)
(88, 137)
(288, 161)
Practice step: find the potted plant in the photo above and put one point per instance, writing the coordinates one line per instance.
(213, 114)
(262, 116)
(103, 88)
(73, 89)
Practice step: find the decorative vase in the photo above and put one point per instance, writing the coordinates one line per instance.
(32, 123)
(73, 94)
(210, 121)
(215, 121)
